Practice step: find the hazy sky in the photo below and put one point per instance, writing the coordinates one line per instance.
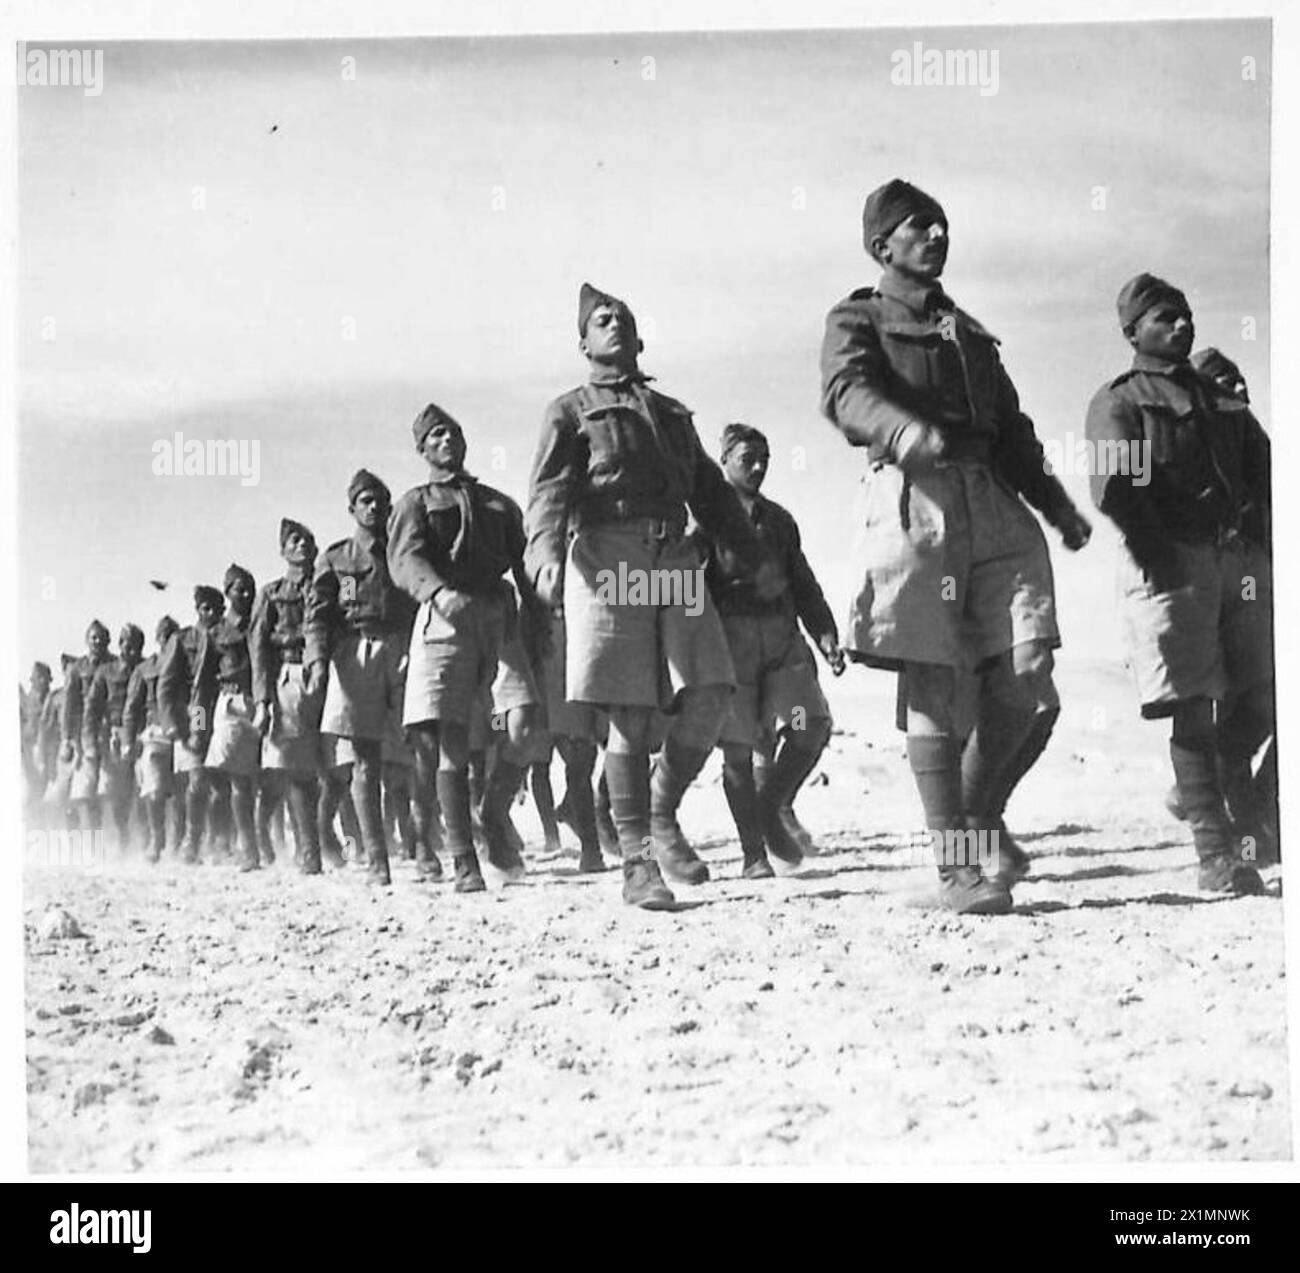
(202, 238)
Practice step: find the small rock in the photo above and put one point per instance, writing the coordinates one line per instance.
(1251, 1087)
(90, 1094)
(685, 1027)
(132, 1018)
(159, 1035)
(58, 924)
(767, 985)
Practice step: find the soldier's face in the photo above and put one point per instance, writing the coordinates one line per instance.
(611, 337)
(97, 643)
(746, 467)
(1165, 331)
(370, 508)
(131, 646)
(444, 447)
(918, 247)
(1232, 384)
(298, 550)
(40, 683)
(240, 596)
(164, 634)
(209, 612)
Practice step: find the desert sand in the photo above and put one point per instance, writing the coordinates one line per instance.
(292, 1026)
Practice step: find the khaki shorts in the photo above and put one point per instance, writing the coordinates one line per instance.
(776, 678)
(954, 570)
(619, 653)
(294, 742)
(364, 686)
(235, 746)
(153, 767)
(1212, 638)
(453, 661)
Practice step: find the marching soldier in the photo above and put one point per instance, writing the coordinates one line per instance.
(451, 541)
(78, 747)
(186, 723)
(223, 691)
(956, 575)
(31, 706)
(358, 627)
(1195, 569)
(57, 764)
(144, 734)
(285, 715)
(778, 699)
(104, 723)
(616, 467)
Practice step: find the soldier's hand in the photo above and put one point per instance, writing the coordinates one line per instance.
(262, 719)
(1075, 529)
(66, 753)
(550, 584)
(449, 602)
(922, 450)
(830, 647)
(769, 581)
(314, 681)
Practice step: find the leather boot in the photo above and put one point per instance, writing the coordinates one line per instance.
(935, 761)
(1221, 867)
(453, 796)
(498, 795)
(782, 781)
(738, 783)
(629, 801)
(675, 769)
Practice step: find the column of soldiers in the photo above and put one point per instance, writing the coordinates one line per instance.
(406, 681)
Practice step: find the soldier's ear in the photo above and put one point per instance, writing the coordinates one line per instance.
(582, 345)
(880, 250)
(640, 345)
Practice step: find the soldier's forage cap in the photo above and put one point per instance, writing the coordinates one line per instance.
(432, 416)
(130, 632)
(42, 668)
(1139, 294)
(888, 206)
(166, 627)
(205, 594)
(735, 435)
(1210, 362)
(290, 527)
(95, 626)
(365, 480)
(591, 299)
(237, 574)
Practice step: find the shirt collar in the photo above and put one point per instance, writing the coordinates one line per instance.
(367, 540)
(1160, 367)
(613, 377)
(922, 297)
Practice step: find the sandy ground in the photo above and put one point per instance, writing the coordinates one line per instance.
(276, 1024)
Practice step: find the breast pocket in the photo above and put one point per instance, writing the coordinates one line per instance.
(1170, 434)
(918, 352)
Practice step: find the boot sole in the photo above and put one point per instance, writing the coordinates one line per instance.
(664, 902)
